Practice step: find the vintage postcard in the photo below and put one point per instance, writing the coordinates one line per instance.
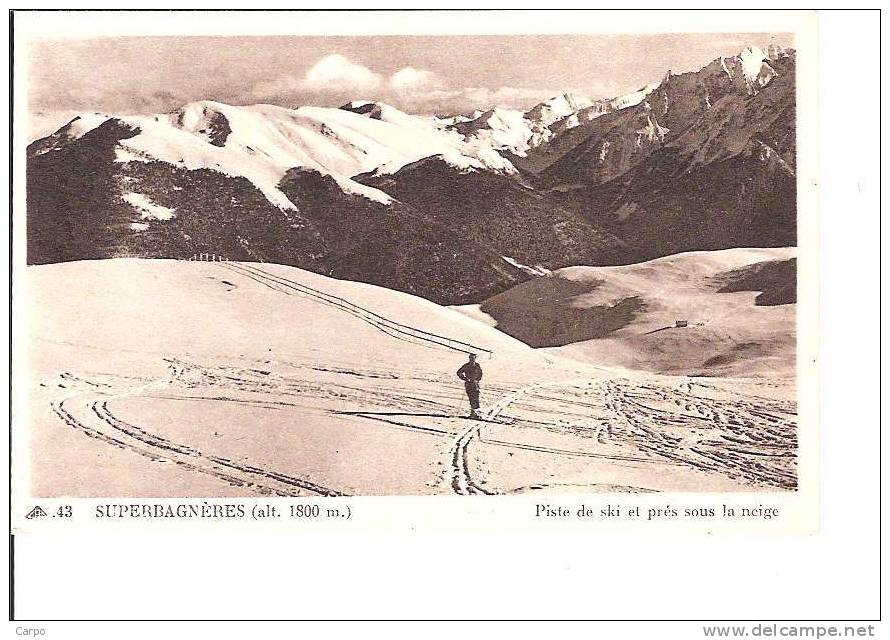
(535, 267)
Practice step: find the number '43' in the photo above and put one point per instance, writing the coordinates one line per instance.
(64, 511)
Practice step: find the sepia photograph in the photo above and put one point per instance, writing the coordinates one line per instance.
(411, 265)
(444, 315)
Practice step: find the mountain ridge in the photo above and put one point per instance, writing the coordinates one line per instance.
(454, 209)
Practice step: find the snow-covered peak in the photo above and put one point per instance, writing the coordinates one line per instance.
(516, 132)
(376, 111)
(80, 125)
(206, 119)
(557, 108)
(262, 142)
(190, 114)
(84, 123)
(449, 121)
(74, 129)
(752, 59)
(499, 115)
(357, 104)
(750, 70)
(633, 98)
(505, 129)
(775, 52)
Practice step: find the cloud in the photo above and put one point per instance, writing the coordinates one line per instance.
(337, 73)
(332, 74)
(335, 78)
(409, 79)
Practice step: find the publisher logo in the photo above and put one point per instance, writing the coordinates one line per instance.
(36, 512)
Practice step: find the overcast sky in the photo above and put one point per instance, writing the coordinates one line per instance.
(421, 74)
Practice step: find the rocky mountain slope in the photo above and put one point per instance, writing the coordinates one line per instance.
(516, 134)
(706, 161)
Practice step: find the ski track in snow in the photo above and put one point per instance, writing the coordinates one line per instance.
(747, 438)
(93, 417)
(699, 424)
(394, 329)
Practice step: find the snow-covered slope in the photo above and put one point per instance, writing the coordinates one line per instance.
(737, 306)
(163, 378)
(261, 142)
(145, 332)
(168, 291)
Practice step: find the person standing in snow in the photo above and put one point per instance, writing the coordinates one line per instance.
(471, 374)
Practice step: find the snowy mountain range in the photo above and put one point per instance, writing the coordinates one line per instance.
(454, 208)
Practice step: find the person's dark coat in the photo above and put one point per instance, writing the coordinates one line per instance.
(471, 374)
